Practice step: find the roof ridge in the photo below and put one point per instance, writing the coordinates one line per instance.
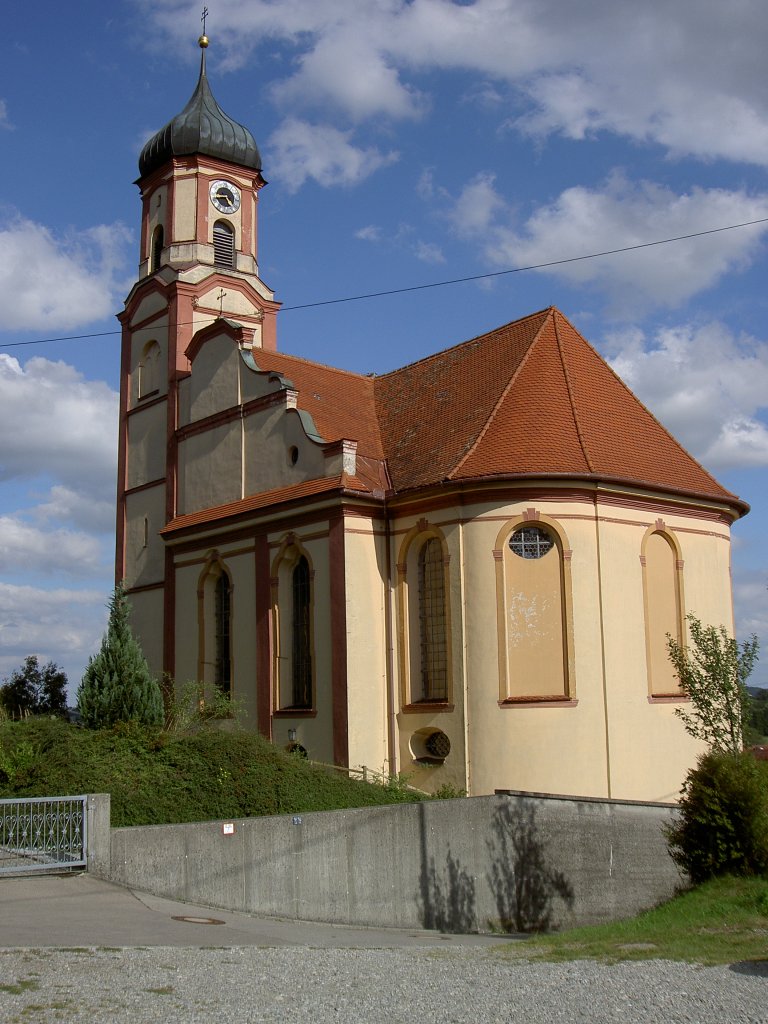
(505, 391)
(645, 408)
(468, 341)
(571, 398)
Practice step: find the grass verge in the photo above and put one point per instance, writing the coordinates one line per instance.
(720, 922)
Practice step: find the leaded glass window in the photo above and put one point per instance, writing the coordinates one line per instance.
(432, 624)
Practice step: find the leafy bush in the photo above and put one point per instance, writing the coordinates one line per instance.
(722, 827)
(158, 778)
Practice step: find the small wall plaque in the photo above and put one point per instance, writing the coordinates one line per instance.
(228, 828)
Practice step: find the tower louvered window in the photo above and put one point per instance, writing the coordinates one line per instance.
(223, 245)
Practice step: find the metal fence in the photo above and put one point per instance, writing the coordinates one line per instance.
(43, 834)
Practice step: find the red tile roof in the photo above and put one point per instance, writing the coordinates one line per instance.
(529, 398)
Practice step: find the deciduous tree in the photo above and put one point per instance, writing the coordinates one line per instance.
(713, 672)
(34, 690)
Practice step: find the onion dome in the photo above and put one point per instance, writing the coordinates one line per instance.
(202, 127)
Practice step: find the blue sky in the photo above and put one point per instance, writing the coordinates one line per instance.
(405, 143)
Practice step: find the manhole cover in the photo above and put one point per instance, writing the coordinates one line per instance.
(198, 920)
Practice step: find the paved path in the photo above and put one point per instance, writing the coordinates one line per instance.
(74, 950)
(79, 910)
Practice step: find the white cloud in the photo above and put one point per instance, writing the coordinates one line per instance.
(62, 625)
(84, 510)
(580, 69)
(708, 387)
(74, 279)
(303, 151)
(370, 233)
(57, 424)
(620, 214)
(428, 252)
(31, 550)
(5, 121)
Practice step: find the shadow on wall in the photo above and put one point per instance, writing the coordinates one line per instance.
(523, 884)
(447, 896)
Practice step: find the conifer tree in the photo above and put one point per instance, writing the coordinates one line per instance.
(117, 685)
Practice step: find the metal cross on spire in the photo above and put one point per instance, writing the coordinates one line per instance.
(203, 17)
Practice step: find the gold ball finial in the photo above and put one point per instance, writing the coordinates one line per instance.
(202, 42)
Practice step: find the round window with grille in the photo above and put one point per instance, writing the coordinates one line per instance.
(531, 542)
(437, 745)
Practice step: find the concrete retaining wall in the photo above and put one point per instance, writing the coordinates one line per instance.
(512, 861)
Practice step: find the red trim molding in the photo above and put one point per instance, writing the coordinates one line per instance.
(538, 702)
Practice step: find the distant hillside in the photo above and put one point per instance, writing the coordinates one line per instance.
(163, 778)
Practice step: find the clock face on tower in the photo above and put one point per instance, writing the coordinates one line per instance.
(225, 196)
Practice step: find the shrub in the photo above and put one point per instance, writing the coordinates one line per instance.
(117, 685)
(722, 827)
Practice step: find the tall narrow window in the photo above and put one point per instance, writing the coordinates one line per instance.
(223, 664)
(157, 249)
(662, 571)
(223, 244)
(149, 369)
(533, 585)
(432, 631)
(301, 649)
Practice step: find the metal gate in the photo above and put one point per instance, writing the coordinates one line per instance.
(43, 834)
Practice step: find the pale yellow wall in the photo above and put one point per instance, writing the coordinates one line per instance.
(209, 468)
(185, 209)
(188, 570)
(144, 548)
(650, 751)
(366, 645)
(415, 723)
(146, 618)
(314, 733)
(642, 747)
(269, 436)
(234, 302)
(158, 333)
(146, 445)
(215, 375)
(149, 305)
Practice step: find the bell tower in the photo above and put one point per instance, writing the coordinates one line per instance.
(200, 179)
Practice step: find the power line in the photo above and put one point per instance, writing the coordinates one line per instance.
(433, 284)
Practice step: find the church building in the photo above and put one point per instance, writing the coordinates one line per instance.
(463, 570)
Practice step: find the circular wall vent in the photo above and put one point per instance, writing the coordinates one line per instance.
(437, 745)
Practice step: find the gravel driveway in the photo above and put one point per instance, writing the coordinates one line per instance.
(426, 986)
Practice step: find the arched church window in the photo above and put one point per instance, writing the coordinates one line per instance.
(223, 669)
(663, 600)
(292, 617)
(432, 625)
(301, 674)
(157, 249)
(223, 244)
(215, 611)
(424, 646)
(533, 594)
(149, 369)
